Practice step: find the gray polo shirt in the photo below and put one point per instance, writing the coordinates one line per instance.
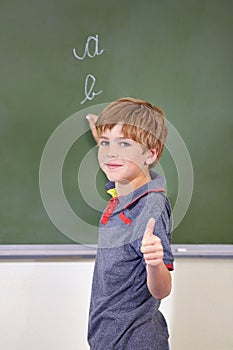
(123, 313)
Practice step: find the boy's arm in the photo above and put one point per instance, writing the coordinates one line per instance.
(158, 277)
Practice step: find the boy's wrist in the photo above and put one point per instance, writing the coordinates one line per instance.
(156, 265)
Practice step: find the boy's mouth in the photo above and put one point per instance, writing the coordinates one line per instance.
(112, 166)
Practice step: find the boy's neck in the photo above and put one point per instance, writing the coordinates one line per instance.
(124, 188)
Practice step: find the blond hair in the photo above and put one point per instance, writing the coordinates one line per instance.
(141, 121)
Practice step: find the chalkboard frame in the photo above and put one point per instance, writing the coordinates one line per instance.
(75, 251)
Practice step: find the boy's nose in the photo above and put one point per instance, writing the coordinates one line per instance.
(112, 151)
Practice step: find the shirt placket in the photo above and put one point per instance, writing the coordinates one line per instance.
(109, 210)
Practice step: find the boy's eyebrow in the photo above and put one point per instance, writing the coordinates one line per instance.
(116, 138)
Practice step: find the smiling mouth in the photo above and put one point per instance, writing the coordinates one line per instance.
(113, 166)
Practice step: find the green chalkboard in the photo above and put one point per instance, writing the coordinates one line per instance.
(63, 59)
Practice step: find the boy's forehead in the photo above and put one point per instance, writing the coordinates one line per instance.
(115, 131)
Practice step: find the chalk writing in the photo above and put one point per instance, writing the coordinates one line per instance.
(91, 50)
(87, 52)
(89, 93)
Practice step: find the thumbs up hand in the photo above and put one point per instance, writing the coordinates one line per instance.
(151, 247)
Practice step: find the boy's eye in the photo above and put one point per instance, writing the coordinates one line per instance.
(125, 144)
(104, 143)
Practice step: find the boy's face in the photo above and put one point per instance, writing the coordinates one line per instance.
(123, 160)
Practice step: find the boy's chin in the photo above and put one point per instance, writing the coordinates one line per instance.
(113, 178)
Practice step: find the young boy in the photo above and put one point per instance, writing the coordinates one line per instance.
(134, 257)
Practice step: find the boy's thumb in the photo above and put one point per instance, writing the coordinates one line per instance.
(149, 227)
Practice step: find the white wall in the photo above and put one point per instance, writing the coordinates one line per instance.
(202, 305)
(44, 305)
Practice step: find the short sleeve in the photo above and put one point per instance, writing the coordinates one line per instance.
(159, 208)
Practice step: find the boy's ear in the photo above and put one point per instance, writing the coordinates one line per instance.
(152, 156)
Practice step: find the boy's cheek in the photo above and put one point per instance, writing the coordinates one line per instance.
(100, 157)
